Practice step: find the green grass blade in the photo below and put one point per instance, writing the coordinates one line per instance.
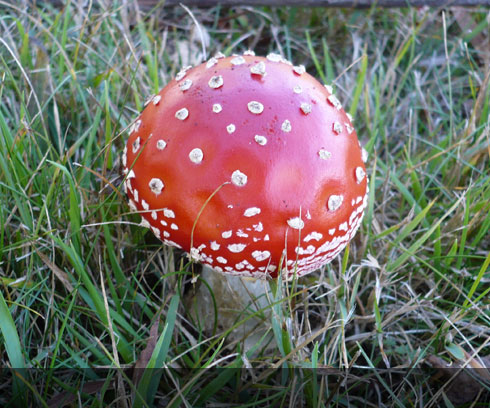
(417, 244)
(219, 382)
(148, 385)
(10, 336)
(12, 345)
(477, 281)
(361, 78)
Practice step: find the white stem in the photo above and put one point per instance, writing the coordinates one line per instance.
(236, 299)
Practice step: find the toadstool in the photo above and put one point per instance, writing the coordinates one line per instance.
(250, 165)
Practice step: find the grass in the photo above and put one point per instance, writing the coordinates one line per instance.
(85, 290)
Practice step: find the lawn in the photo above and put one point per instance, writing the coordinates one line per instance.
(94, 310)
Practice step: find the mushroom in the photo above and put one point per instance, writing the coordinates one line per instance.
(250, 165)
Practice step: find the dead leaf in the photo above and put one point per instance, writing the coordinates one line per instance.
(61, 275)
(147, 352)
(66, 397)
(467, 25)
(461, 380)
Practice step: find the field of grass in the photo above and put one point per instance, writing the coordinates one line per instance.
(92, 305)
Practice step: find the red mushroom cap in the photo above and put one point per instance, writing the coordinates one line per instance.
(250, 165)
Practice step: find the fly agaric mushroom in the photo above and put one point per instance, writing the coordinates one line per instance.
(250, 165)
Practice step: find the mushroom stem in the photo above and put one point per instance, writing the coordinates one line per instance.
(240, 302)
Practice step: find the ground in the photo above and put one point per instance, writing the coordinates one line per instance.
(86, 290)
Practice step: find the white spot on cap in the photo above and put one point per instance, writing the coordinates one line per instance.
(308, 251)
(219, 55)
(349, 116)
(300, 69)
(136, 144)
(255, 107)
(227, 234)
(132, 206)
(261, 140)
(216, 82)
(258, 69)
(222, 260)
(250, 212)
(130, 188)
(180, 75)
(182, 114)
(334, 202)
(185, 85)
(306, 108)
(145, 205)
(297, 89)
(258, 227)
(230, 128)
(331, 231)
(211, 62)
(236, 248)
(154, 215)
(261, 255)
(194, 253)
(145, 223)
(337, 127)
(313, 235)
(286, 126)
(334, 102)
(329, 88)
(273, 57)
(137, 125)
(156, 231)
(349, 128)
(239, 60)
(166, 234)
(249, 53)
(168, 213)
(131, 129)
(238, 178)
(131, 174)
(217, 108)
(324, 154)
(364, 155)
(296, 223)
(266, 238)
(156, 99)
(214, 245)
(343, 227)
(161, 144)
(156, 185)
(196, 155)
(241, 234)
(175, 227)
(360, 174)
